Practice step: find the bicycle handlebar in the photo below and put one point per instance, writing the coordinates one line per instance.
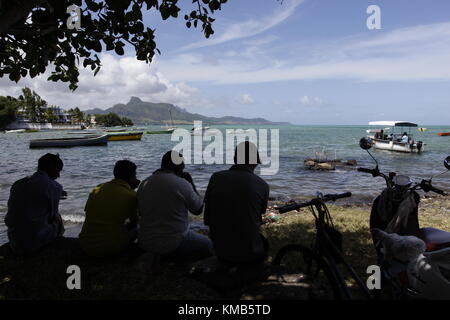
(325, 198)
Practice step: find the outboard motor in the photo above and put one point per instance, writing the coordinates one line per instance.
(419, 146)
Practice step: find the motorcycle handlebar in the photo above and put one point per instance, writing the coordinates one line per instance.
(325, 198)
(426, 186)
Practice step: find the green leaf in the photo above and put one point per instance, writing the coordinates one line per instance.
(119, 50)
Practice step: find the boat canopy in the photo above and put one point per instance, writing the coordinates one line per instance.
(393, 123)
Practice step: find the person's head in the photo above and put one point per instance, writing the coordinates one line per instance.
(405, 134)
(51, 164)
(173, 161)
(246, 153)
(126, 170)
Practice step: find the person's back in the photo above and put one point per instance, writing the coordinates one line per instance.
(165, 200)
(32, 219)
(235, 201)
(108, 207)
(405, 138)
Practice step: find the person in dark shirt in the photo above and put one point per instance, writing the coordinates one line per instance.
(33, 219)
(235, 199)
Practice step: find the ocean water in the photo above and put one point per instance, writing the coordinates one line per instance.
(85, 167)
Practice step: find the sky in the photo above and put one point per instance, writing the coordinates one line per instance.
(303, 61)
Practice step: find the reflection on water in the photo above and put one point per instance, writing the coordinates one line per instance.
(85, 167)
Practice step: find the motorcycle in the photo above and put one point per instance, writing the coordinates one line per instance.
(414, 261)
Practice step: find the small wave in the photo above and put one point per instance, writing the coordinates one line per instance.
(73, 218)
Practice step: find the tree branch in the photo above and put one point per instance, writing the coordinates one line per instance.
(17, 12)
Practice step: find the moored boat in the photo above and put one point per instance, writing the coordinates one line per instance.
(70, 142)
(166, 131)
(121, 136)
(16, 131)
(400, 140)
(443, 134)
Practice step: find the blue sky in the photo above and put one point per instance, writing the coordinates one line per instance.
(305, 61)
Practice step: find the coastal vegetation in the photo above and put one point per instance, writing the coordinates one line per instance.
(111, 120)
(31, 107)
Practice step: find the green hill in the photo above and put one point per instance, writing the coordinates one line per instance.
(141, 112)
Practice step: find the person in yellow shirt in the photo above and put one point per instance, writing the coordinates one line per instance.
(105, 230)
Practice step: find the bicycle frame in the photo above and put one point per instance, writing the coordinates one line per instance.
(322, 244)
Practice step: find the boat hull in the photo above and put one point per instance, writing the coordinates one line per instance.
(444, 134)
(125, 136)
(397, 146)
(160, 132)
(70, 142)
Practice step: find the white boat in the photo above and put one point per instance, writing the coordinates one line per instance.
(70, 142)
(391, 138)
(199, 130)
(15, 131)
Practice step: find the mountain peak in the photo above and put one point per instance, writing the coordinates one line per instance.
(134, 100)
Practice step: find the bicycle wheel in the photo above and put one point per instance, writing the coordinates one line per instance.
(304, 274)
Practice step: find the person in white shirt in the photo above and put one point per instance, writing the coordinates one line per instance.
(405, 138)
(164, 202)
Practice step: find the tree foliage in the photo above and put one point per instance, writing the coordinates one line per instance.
(8, 110)
(34, 33)
(78, 116)
(112, 119)
(33, 105)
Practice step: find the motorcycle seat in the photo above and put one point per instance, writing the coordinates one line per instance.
(435, 239)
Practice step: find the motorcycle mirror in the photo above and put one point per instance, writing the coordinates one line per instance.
(365, 144)
(447, 166)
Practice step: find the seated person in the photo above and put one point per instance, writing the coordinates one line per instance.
(32, 219)
(405, 138)
(234, 202)
(108, 207)
(164, 201)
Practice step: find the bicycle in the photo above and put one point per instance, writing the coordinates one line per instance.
(317, 266)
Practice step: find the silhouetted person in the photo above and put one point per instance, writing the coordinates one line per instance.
(33, 219)
(234, 202)
(110, 205)
(165, 198)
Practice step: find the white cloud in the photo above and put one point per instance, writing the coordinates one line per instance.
(250, 27)
(417, 53)
(245, 99)
(117, 81)
(310, 101)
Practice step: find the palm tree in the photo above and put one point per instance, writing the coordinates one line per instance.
(33, 105)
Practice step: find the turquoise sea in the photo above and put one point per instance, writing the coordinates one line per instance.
(85, 167)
